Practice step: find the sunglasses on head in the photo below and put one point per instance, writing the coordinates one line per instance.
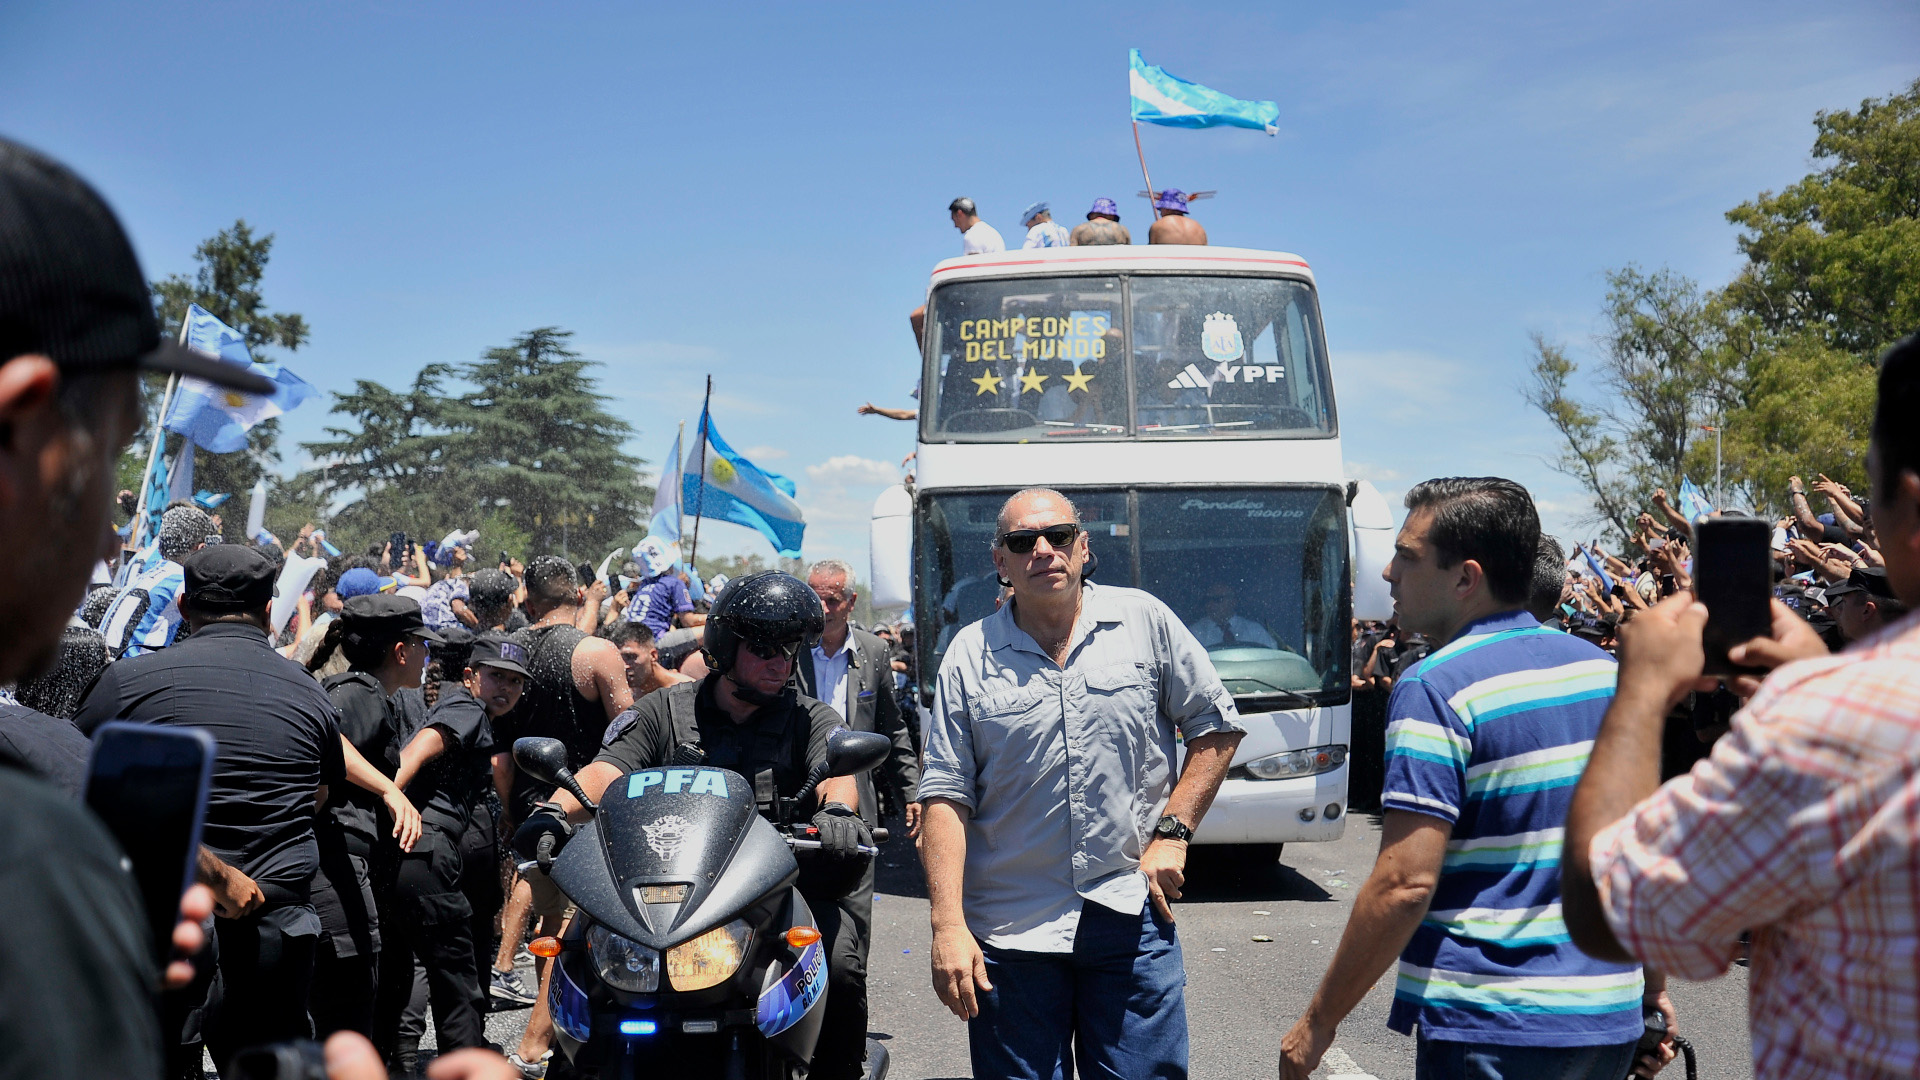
(772, 650)
(1021, 541)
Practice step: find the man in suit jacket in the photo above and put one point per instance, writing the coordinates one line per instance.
(851, 671)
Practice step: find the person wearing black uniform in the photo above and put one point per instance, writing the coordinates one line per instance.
(747, 716)
(279, 746)
(385, 644)
(440, 768)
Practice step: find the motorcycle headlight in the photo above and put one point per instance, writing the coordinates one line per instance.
(709, 959)
(1309, 762)
(623, 964)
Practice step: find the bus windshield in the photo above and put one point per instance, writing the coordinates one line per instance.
(1136, 356)
(1257, 574)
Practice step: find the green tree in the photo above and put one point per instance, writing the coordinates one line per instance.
(529, 455)
(233, 262)
(1837, 255)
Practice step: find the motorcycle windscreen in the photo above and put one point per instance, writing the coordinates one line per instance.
(669, 833)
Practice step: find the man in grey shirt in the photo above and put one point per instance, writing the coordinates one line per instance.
(1049, 859)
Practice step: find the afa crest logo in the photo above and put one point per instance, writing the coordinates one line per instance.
(1220, 339)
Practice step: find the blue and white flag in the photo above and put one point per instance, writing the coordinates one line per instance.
(731, 488)
(180, 484)
(665, 523)
(218, 419)
(1599, 571)
(1692, 503)
(1160, 98)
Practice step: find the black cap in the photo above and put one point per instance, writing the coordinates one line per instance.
(384, 617)
(497, 650)
(228, 577)
(70, 287)
(1871, 580)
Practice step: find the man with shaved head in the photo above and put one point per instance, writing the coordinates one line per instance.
(1052, 743)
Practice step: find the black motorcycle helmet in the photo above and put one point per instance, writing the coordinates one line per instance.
(773, 608)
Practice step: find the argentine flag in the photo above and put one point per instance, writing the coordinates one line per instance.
(735, 489)
(1160, 98)
(666, 498)
(1693, 504)
(218, 419)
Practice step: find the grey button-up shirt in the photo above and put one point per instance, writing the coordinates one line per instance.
(1065, 770)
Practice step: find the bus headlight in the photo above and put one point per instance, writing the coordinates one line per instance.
(623, 964)
(1293, 763)
(709, 959)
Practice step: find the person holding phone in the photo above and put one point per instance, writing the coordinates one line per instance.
(280, 749)
(1799, 827)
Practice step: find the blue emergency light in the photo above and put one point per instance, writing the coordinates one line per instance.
(639, 1027)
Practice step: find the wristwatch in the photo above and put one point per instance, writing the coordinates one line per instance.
(1172, 828)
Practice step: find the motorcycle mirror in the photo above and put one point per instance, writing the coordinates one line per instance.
(850, 752)
(543, 759)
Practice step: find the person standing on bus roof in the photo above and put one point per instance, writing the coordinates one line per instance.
(1042, 231)
(1057, 932)
(1101, 227)
(976, 236)
(1488, 736)
(1174, 226)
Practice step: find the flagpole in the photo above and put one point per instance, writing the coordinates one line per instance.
(1152, 200)
(134, 535)
(700, 492)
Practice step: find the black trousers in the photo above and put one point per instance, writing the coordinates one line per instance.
(480, 882)
(346, 961)
(845, 926)
(426, 916)
(265, 972)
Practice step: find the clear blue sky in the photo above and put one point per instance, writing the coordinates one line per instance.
(759, 191)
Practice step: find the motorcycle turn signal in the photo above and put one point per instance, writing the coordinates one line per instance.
(802, 936)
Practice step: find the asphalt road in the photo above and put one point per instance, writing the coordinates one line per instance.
(1241, 994)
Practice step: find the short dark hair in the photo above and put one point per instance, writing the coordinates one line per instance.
(550, 579)
(963, 205)
(620, 632)
(490, 591)
(1488, 519)
(1895, 432)
(1549, 579)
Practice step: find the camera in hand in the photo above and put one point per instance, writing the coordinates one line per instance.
(1733, 576)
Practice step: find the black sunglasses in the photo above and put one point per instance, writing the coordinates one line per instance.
(772, 650)
(1020, 541)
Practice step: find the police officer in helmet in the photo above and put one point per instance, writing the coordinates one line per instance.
(747, 716)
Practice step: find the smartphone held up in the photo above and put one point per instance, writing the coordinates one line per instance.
(1733, 577)
(148, 785)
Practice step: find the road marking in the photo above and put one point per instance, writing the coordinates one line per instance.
(1341, 1067)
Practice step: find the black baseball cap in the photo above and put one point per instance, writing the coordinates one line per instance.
(496, 650)
(228, 577)
(70, 286)
(385, 617)
(1871, 580)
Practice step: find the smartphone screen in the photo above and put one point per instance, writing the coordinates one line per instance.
(1733, 576)
(148, 784)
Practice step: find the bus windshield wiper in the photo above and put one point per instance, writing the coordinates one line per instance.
(1294, 696)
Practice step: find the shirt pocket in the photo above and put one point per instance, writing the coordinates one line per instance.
(1116, 689)
(1012, 728)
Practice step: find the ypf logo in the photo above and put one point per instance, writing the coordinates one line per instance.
(667, 835)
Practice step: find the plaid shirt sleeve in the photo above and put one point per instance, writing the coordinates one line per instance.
(1738, 843)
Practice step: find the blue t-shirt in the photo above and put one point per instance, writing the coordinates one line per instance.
(1491, 733)
(656, 600)
(146, 614)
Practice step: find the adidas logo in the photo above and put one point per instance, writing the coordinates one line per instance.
(1190, 379)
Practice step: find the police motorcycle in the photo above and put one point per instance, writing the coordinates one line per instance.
(693, 953)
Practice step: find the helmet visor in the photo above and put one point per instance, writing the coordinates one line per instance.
(773, 650)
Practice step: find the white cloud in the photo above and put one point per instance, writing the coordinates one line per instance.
(1374, 474)
(763, 453)
(847, 469)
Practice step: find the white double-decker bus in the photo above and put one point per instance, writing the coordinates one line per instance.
(1181, 396)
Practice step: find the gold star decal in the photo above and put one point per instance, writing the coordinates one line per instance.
(1032, 380)
(988, 383)
(1077, 381)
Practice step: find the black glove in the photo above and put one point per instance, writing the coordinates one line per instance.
(542, 835)
(841, 831)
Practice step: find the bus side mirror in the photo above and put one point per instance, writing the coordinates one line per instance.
(1373, 534)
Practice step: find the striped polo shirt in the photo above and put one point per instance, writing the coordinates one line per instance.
(1491, 733)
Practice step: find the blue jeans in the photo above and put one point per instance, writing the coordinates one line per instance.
(1116, 1005)
(1436, 1059)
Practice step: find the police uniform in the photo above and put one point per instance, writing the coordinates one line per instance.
(278, 740)
(355, 833)
(776, 748)
(431, 916)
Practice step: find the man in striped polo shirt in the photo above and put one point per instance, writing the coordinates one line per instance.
(1485, 741)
